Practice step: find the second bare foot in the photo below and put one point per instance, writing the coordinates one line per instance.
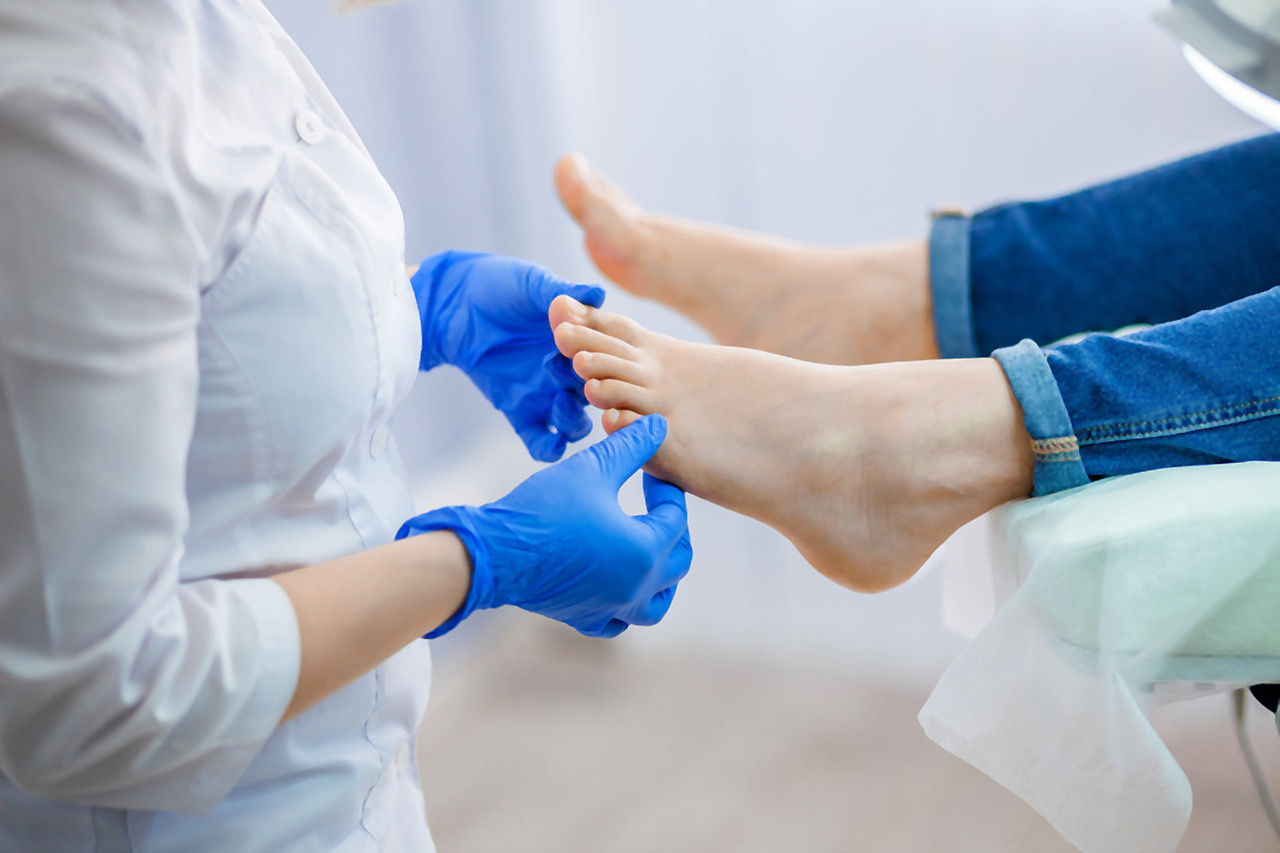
(833, 306)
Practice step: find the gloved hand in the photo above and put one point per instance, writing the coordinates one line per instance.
(560, 545)
(488, 316)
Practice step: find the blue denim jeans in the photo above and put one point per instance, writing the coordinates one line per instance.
(1191, 249)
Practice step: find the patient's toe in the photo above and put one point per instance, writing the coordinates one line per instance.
(615, 419)
(616, 326)
(599, 365)
(572, 339)
(617, 394)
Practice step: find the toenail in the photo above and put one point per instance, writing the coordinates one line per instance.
(583, 168)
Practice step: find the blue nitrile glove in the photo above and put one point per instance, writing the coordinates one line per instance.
(488, 316)
(560, 545)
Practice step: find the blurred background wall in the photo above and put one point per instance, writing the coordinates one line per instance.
(829, 121)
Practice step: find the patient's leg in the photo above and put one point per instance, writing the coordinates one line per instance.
(835, 306)
(866, 469)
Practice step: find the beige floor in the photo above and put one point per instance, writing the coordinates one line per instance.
(545, 742)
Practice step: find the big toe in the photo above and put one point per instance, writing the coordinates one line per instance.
(577, 318)
(617, 326)
(565, 309)
(571, 184)
(607, 215)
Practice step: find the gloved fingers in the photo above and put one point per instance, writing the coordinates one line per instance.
(678, 561)
(560, 369)
(546, 422)
(655, 609)
(545, 286)
(626, 451)
(607, 631)
(569, 417)
(542, 444)
(668, 512)
(587, 294)
(669, 519)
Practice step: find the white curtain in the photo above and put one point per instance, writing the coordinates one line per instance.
(831, 121)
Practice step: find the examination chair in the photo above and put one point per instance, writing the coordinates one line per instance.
(1088, 608)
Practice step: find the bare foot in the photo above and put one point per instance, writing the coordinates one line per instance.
(833, 306)
(865, 469)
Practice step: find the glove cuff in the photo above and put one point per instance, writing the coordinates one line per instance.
(436, 288)
(460, 520)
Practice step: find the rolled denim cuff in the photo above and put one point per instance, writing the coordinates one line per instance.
(457, 520)
(949, 281)
(1057, 451)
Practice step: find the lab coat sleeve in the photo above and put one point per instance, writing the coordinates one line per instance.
(120, 686)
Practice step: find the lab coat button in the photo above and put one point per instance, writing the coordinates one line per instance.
(310, 127)
(378, 443)
(402, 759)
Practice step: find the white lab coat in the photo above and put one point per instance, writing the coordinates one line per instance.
(205, 327)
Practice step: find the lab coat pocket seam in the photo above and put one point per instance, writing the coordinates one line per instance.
(235, 269)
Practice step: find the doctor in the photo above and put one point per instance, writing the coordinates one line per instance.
(210, 597)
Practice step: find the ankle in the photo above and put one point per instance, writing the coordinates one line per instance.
(894, 289)
(956, 430)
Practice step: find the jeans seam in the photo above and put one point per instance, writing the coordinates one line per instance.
(1055, 445)
(1123, 432)
(1261, 402)
(1060, 449)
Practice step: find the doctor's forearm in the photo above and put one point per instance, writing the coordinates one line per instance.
(356, 611)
